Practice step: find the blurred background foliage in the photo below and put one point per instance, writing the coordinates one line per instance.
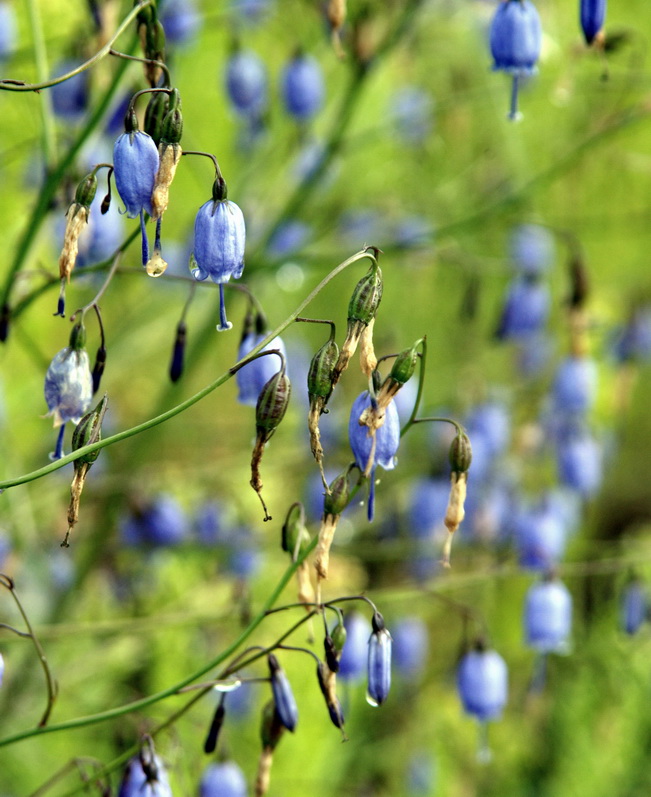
(419, 159)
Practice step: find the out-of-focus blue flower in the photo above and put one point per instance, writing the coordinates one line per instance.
(135, 163)
(247, 84)
(526, 310)
(8, 30)
(219, 241)
(289, 238)
(102, 235)
(244, 557)
(70, 98)
(303, 88)
(352, 664)
(379, 662)
(540, 537)
(384, 448)
(482, 681)
(412, 232)
(68, 386)
(633, 341)
(427, 505)
(592, 14)
(548, 617)
(575, 385)
(159, 523)
(252, 377)
(359, 227)
(410, 646)
(421, 774)
(411, 110)
(532, 249)
(223, 780)
(284, 699)
(251, 11)
(534, 354)
(492, 418)
(209, 524)
(580, 462)
(634, 606)
(181, 21)
(136, 782)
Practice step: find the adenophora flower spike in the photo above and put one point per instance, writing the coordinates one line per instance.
(371, 445)
(284, 700)
(515, 39)
(335, 501)
(379, 662)
(295, 539)
(460, 459)
(593, 14)
(169, 152)
(76, 220)
(135, 165)
(319, 390)
(69, 384)
(269, 412)
(87, 431)
(328, 685)
(219, 238)
(271, 730)
(362, 308)
(223, 780)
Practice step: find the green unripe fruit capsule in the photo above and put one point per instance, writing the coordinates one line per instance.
(336, 500)
(404, 365)
(460, 453)
(86, 190)
(89, 430)
(319, 377)
(272, 402)
(155, 113)
(366, 297)
(78, 337)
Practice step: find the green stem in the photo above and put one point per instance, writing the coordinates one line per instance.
(184, 405)
(40, 59)
(419, 393)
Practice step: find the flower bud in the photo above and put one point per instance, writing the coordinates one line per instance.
(295, 536)
(272, 403)
(210, 743)
(98, 367)
(327, 684)
(337, 497)
(283, 696)
(460, 453)
(403, 369)
(178, 352)
(379, 662)
(155, 112)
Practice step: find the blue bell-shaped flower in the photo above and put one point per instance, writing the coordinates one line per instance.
(247, 84)
(302, 87)
(379, 662)
(219, 238)
(515, 40)
(482, 681)
(548, 616)
(284, 700)
(225, 779)
(145, 777)
(593, 14)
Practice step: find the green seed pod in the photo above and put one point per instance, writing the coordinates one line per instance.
(78, 337)
(89, 430)
(295, 536)
(271, 728)
(460, 453)
(172, 128)
(335, 501)
(272, 402)
(319, 377)
(86, 190)
(155, 113)
(404, 365)
(366, 297)
(339, 634)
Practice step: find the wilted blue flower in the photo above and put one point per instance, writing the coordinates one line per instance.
(525, 311)
(135, 162)
(253, 376)
(515, 39)
(247, 84)
(148, 781)
(303, 88)
(385, 447)
(284, 700)
(8, 30)
(575, 385)
(592, 13)
(219, 239)
(68, 386)
(379, 662)
(410, 645)
(181, 20)
(70, 98)
(223, 780)
(354, 656)
(532, 249)
(634, 606)
(548, 616)
(482, 681)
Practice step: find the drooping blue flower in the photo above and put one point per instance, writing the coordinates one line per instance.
(225, 779)
(303, 89)
(575, 385)
(540, 536)
(160, 523)
(135, 163)
(525, 311)
(548, 616)
(482, 681)
(253, 376)
(410, 645)
(592, 14)
(383, 448)
(411, 110)
(284, 699)
(247, 84)
(580, 461)
(354, 656)
(379, 662)
(634, 606)
(181, 21)
(427, 505)
(70, 98)
(219, 240)
(151, 781)
(515, 40)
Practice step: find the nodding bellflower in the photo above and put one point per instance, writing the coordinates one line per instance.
(284, 700)
(219, 238)
(548, 616)
(377, 449)
(225, 779)
(302, 87)
(379, 662)
(482, 681)
(515, 40)
(247, 84)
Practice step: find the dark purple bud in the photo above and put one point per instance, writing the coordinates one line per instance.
(284, 700)
(215, 727)
(5, 318)
(178, 353)
(98, 368)
(593, 14)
